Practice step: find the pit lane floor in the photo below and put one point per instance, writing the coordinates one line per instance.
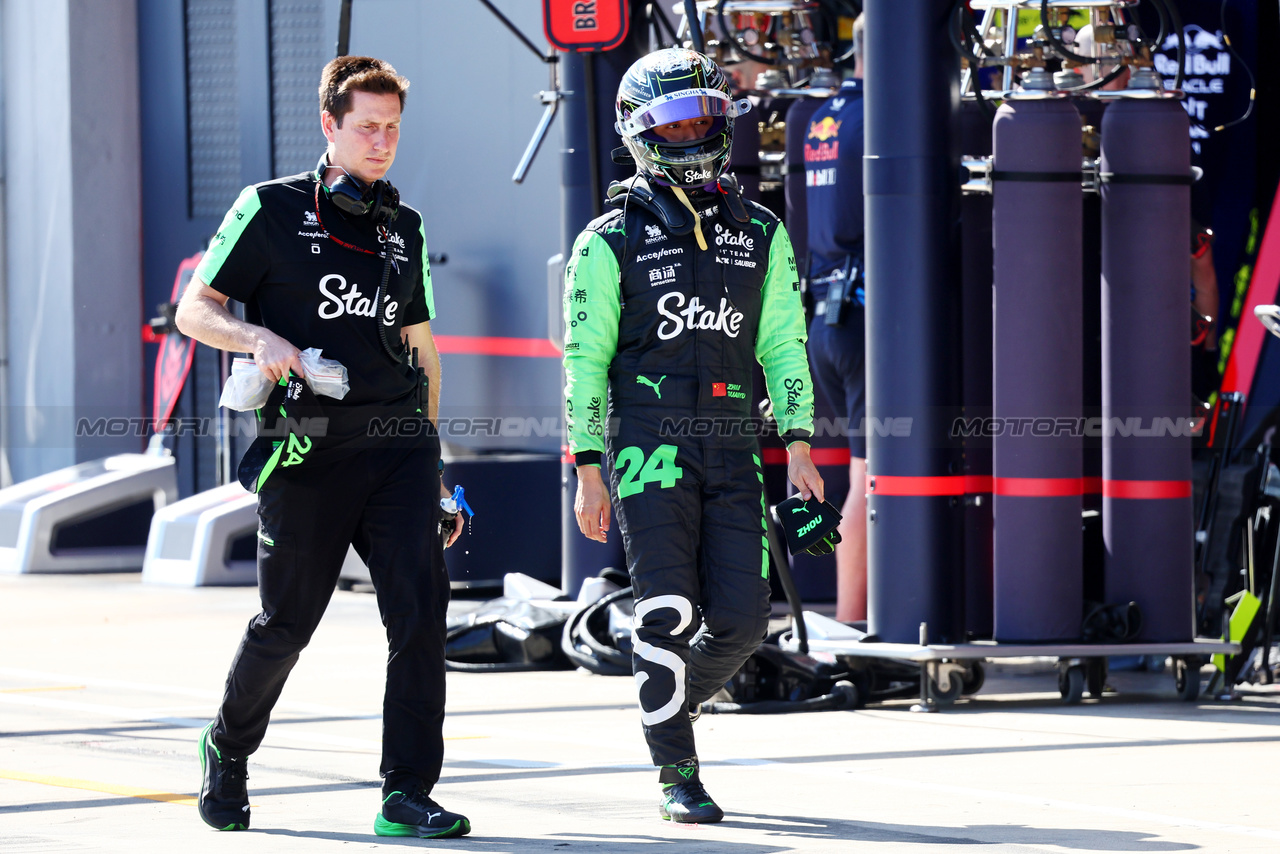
(105, 684)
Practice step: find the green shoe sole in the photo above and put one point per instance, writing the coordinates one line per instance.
(382, 827)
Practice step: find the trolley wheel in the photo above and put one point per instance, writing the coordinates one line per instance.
(1071, 684)
(974, 677)
(1186, 674)
(1095, 676)
(945, 698)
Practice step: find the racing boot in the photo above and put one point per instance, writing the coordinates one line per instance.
(224, 796)
(415, 814)
(683, 798)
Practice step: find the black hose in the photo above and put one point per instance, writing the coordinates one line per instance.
(844, 697)
(958, 41)
(398, 358)
(1171, 22)
(599, 658)
(742, 48)
(975, 37)
(1056, 42)
(582, 632)
(1142, 32)
(1162, 12)
(988, 109)
(1253, 83)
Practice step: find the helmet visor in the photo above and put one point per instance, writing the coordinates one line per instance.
(680, 106)
(657, 133)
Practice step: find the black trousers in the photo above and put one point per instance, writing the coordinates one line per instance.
(386, 502)
(699, 565)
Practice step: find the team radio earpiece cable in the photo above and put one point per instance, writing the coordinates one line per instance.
(388, 261)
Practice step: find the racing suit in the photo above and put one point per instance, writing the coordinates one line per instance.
(669, 330)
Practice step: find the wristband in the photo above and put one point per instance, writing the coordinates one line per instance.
(587, 458)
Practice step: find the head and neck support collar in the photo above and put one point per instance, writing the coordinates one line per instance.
(674, 216)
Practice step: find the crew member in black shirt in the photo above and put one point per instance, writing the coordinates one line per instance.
(330, 259)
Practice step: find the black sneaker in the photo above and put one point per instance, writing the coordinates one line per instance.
(224, 797)
(695, 712)
(683, 798)
(415, 814)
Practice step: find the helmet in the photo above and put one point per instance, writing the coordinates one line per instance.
(669, 86)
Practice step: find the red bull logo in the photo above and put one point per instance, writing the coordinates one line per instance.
(824, 130)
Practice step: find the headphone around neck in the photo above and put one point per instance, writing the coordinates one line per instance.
(380, 201)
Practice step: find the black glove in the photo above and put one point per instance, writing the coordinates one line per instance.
(809, 526)
(826, 545)
(283, 422)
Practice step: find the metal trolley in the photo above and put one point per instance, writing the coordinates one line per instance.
(951, 671)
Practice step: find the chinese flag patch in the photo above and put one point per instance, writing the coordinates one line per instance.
(718, 390)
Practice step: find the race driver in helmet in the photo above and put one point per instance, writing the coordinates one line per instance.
(669, 297)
